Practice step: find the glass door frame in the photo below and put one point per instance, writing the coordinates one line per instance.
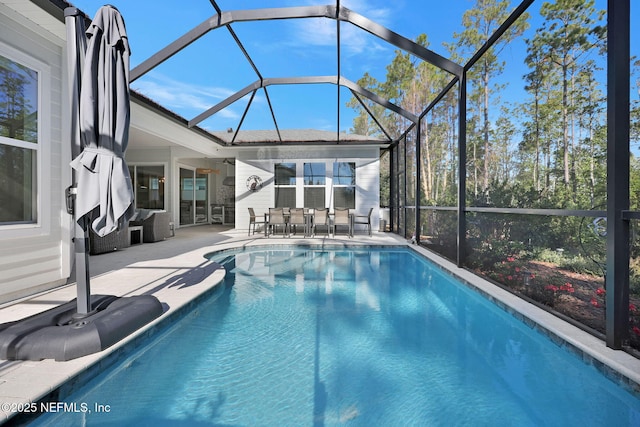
(190, 212)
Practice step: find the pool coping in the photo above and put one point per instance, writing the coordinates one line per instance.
(26, 382)
(617, 365)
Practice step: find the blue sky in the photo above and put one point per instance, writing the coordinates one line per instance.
(214, 68)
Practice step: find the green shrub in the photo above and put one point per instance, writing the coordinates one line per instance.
(572, 262)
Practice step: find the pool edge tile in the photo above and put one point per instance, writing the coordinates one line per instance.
(612, 364)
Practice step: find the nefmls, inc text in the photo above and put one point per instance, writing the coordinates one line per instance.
(74, 407)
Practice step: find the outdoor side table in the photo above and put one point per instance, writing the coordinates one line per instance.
(135, 234)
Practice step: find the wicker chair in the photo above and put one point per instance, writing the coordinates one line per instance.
(155, 225)
(113, 241)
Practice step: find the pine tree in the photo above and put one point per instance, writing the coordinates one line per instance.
(479, 24)
(571, 30)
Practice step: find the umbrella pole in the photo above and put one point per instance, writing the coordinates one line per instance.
(76, 45)
(81, 244)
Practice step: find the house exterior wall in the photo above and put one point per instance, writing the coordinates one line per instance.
(172, 160)
(155, 139)
(261, 162)
(36, 256)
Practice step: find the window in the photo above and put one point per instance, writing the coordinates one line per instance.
(344, 185)
(148, 182)
(314, 185)
(19, 145)
(285, 185)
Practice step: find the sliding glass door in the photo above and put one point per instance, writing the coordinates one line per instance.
(194, 195)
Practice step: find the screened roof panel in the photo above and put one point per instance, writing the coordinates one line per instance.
(302, 46)
(257, 4)
(158, 27)
(303, 106)
(295, 63)
(230, 116)
(306, 57)
(361, 52)
(190, 82)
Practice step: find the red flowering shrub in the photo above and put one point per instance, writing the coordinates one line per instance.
(634, 313)
(556, 291)
(634, 319)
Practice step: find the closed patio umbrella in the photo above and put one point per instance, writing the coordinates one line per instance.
(104, 194)
(99, 87)
(104, 184)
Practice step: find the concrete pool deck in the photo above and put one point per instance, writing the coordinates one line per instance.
(176, 272)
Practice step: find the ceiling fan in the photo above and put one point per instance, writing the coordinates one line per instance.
(207, 171)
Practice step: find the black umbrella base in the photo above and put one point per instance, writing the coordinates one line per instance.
(62, 334)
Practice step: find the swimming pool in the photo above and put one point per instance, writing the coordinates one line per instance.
(356, 337)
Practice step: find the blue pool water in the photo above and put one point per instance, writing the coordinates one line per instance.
(356, 338)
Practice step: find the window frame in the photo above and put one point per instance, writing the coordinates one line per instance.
(335, 186)
(41, 149)
(278, 186)
(306, 186)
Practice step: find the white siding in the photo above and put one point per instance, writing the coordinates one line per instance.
(261, 163)
(36, 257)
(260, 200)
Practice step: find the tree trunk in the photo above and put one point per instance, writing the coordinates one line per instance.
(485, 128)
(565, 124)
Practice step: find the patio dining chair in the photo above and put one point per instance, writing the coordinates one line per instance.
(296, 218)
(341, 218)
(364, 220)
(277, 218)
(320, 218)
(253, 221)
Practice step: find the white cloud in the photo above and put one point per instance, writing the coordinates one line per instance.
(186, 99)
(322, 32)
